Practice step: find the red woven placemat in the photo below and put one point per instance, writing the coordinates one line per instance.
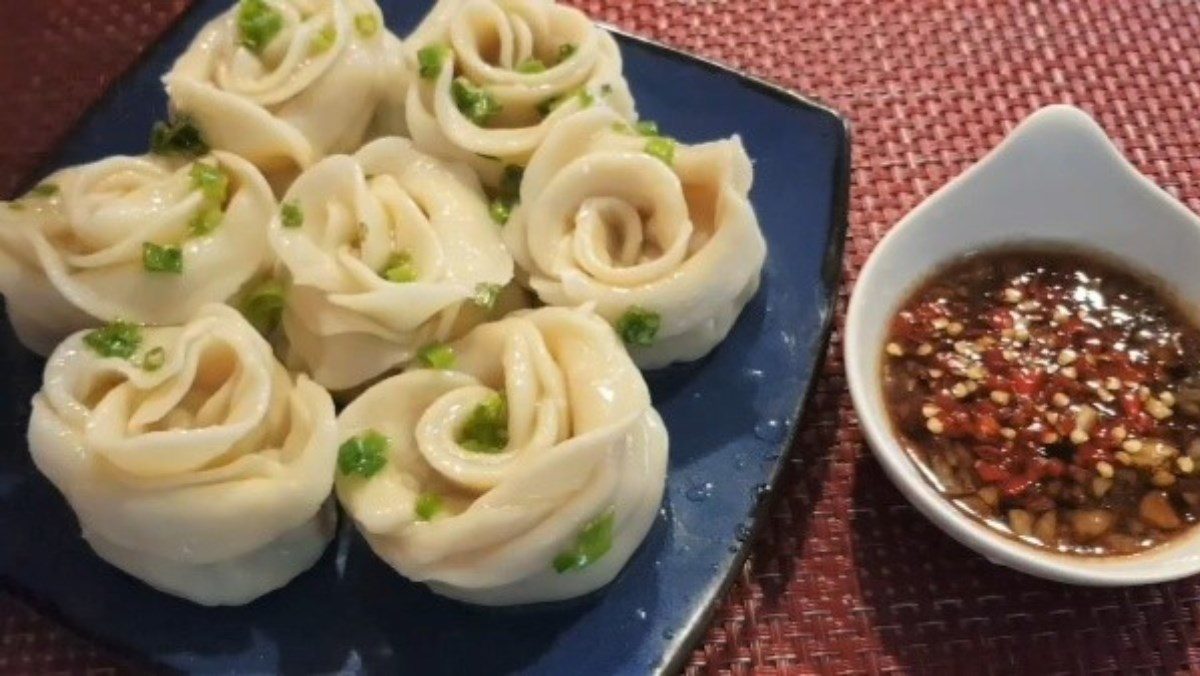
(846, 577)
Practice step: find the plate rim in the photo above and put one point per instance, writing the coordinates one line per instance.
(689, 635)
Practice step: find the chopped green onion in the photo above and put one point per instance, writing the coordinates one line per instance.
(156, 258)
(323, 40)
(178, 137)
(367, 24)
(593, 542)
(585, 98)
(510, 180)
(430, 60)
(486, 295)
(486, 431)
(211, 181)
(501, 210)
(478, 105)
(44, 190)
(437, 356)
(117, 339)
(263, 306)
(622, 128)
(363, 455)
(400, 268)
(531, 66)
(646, 127)
(206, 220)
(258, 23)
(661, 147)
(566, 51)
(290, 215)
(638, 326)
(154, 359)
(428, 506)
(606, 89)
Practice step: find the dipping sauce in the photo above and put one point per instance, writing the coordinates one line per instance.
(1052, 396)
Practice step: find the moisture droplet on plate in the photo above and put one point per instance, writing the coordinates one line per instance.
(754, 374)
(769, 430)
(641, 613)
(741, 460)
(699, 492)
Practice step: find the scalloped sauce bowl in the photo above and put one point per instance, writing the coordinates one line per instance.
(1056, 182)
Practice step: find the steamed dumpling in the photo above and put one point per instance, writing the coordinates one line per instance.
(191, 458)
(285, 82)
(385, 251)
(490, 78)
(660, 236)
(530, 472)
(143, 239)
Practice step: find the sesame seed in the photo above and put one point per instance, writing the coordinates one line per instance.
(1007, 333)
(1112, 383)
(1132, 446)
(1119, 433)
(1143, 393)
(964, 348)
(1105, 396)
(1123, 458)
(925, 349)
(976, 373)
(936, 373)
(1008, 433)
(940, 323)
(1052, 416)
(1060, 400)
(1166, 398)
(934, 425)
(1000, 397)
(1070, 372)
(1104, 469)
(895, 350)
(1158, 409)
(1022, 334)
(1162, 478)
(1013, 295)
(954, 328)
(1186, 464)
(959, 390)
(1061, 314)
(1078, 436)
(1050, 438)
(1010, 355)
(1067, 357)
(930, 410)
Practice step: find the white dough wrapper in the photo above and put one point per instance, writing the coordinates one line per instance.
(490, 41)
(71, 251)
(311, 91)
(603, 221)
(345, 322)
(583, 444)
(209, 476)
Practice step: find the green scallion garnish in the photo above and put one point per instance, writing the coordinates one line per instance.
(430, 60)
(363, 455)
(593, 542)
(428, 506)
(639, 326)
(158, 258)
(437, 356)
(400, 268)
(661, 147)
(367, 24)
(477, 105)
(118, 339)
(177, 137)
(154, 359)
(258, 23)
(486, 430)
(263, 306)
(290, 215)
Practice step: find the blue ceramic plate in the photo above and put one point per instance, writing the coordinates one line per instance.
(730, 416)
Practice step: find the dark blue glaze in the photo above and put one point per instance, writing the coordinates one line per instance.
(730, 418)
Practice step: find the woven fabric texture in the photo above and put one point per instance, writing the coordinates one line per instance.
(846, 577)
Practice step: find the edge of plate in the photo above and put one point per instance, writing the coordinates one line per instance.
(689, 635)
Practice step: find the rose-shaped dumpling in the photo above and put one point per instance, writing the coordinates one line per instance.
(385, 251)
(490, 78)
(191, 458)
(285, 82)
(143, 239)
(660, 236)
(530, 472)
